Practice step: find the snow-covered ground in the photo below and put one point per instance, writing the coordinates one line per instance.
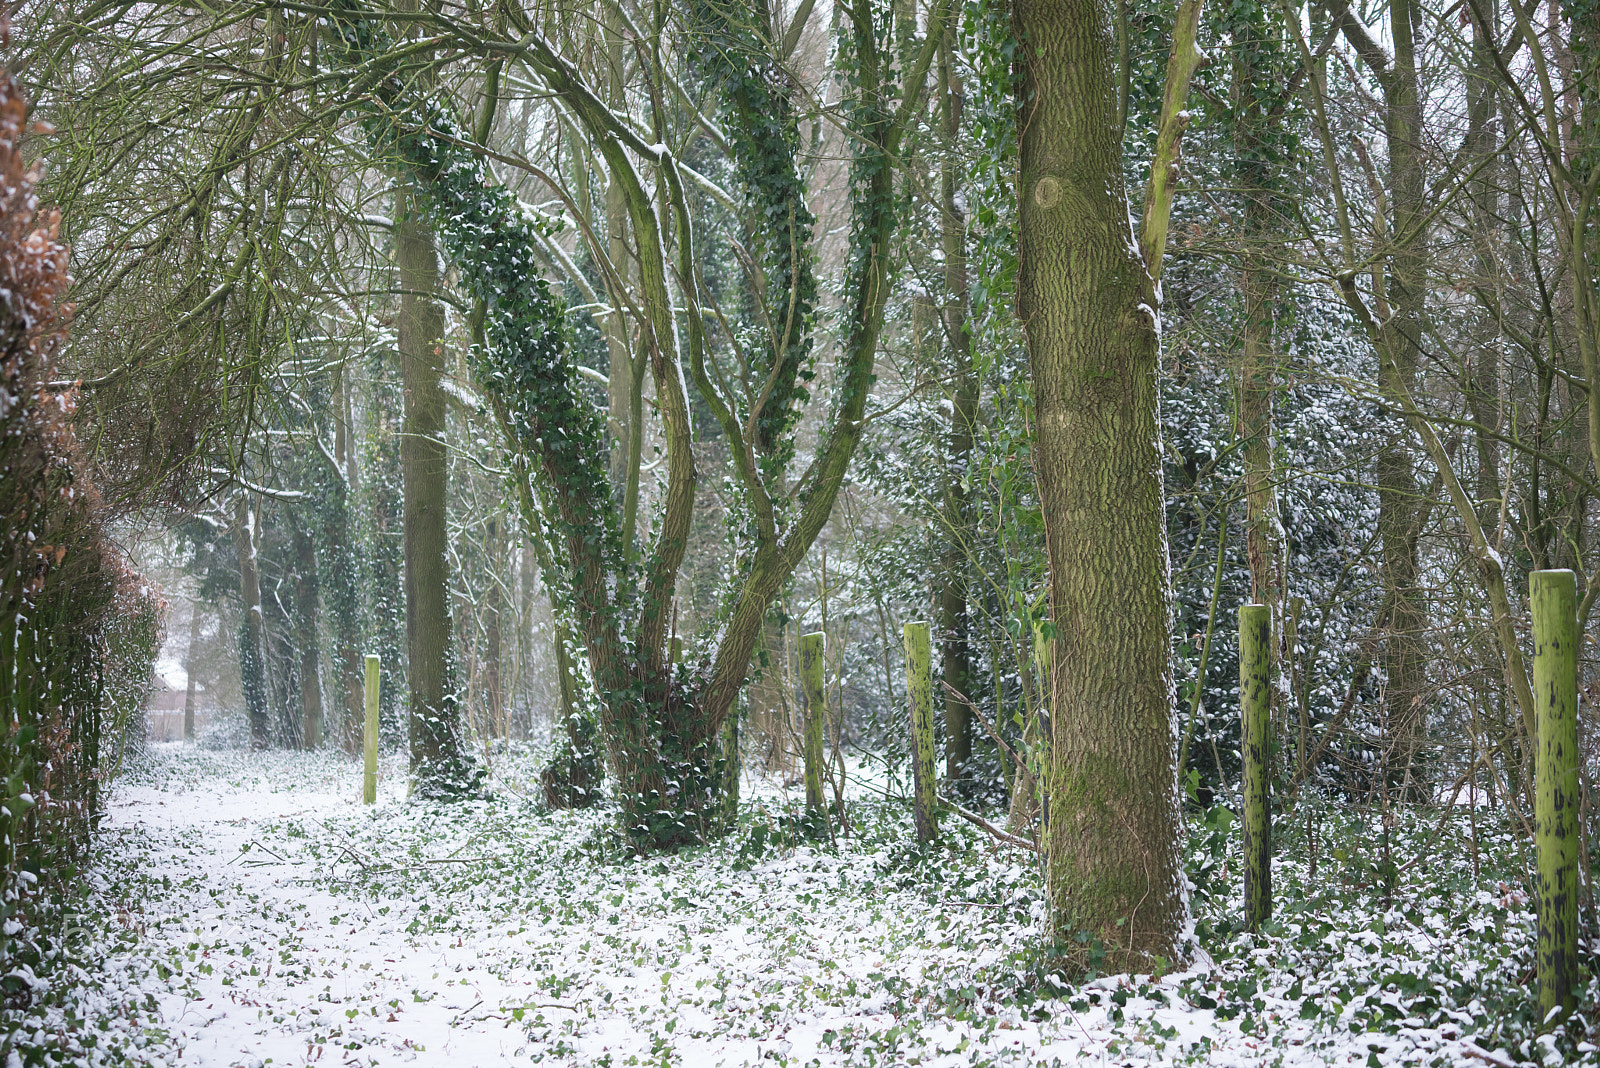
(245, 909)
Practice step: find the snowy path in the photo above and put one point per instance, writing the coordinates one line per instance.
(284, 962)
(276, 921)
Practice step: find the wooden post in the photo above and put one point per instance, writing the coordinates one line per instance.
(369, 737)
(1553, 598)
(919, 690)
(811, 681)
(1255, 707)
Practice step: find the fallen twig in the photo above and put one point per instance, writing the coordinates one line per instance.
(255, 843)
(1484, 1055)
(995, 832)
(994, 733)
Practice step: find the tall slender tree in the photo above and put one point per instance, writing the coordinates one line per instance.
(1399, 295)
(954, 620)
(252, 626)
(1087, 298)
(437, 764)
(307, 638)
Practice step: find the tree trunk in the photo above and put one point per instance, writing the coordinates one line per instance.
(1404, 658)
(305, 639)
(954, 629)
(252, 631)
(528, 591)
(339, 571)
(571, 779)
(660, 737)
(1258, 131)
(768, 703)
(1087, 304)
(188, 671)
(813, 670)
(622, 419)
(494, 599)
(436, 762)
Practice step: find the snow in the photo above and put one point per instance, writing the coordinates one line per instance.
(253, 913)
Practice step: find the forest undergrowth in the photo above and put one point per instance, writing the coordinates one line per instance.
(243, 908)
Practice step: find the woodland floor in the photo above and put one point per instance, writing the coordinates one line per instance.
(245, 909)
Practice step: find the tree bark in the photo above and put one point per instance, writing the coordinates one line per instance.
(307, 646)
(252, 631)
(188, 671)
(493, 612)
(767, 701)
(339, 572)
(1480, 381)
(954, 625)
(813, 667)
(1087, 304)
(622, 420)
(1400, 309)
(431, 727)
(1257, 128)
(528, 590)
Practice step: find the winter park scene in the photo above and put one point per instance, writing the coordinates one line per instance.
(799, 532)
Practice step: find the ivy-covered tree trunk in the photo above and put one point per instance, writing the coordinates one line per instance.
(954, 629)
(1087, 304)
(661, 728)
(436, 764)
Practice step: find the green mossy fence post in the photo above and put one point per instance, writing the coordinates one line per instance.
(919, 690)
(1255, 706)
(1553, 596)
(811, 681)
(369, 737)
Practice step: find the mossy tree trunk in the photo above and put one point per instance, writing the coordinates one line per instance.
(768, 702)
(1087, 300)
(1406, 665)
(624, 370)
